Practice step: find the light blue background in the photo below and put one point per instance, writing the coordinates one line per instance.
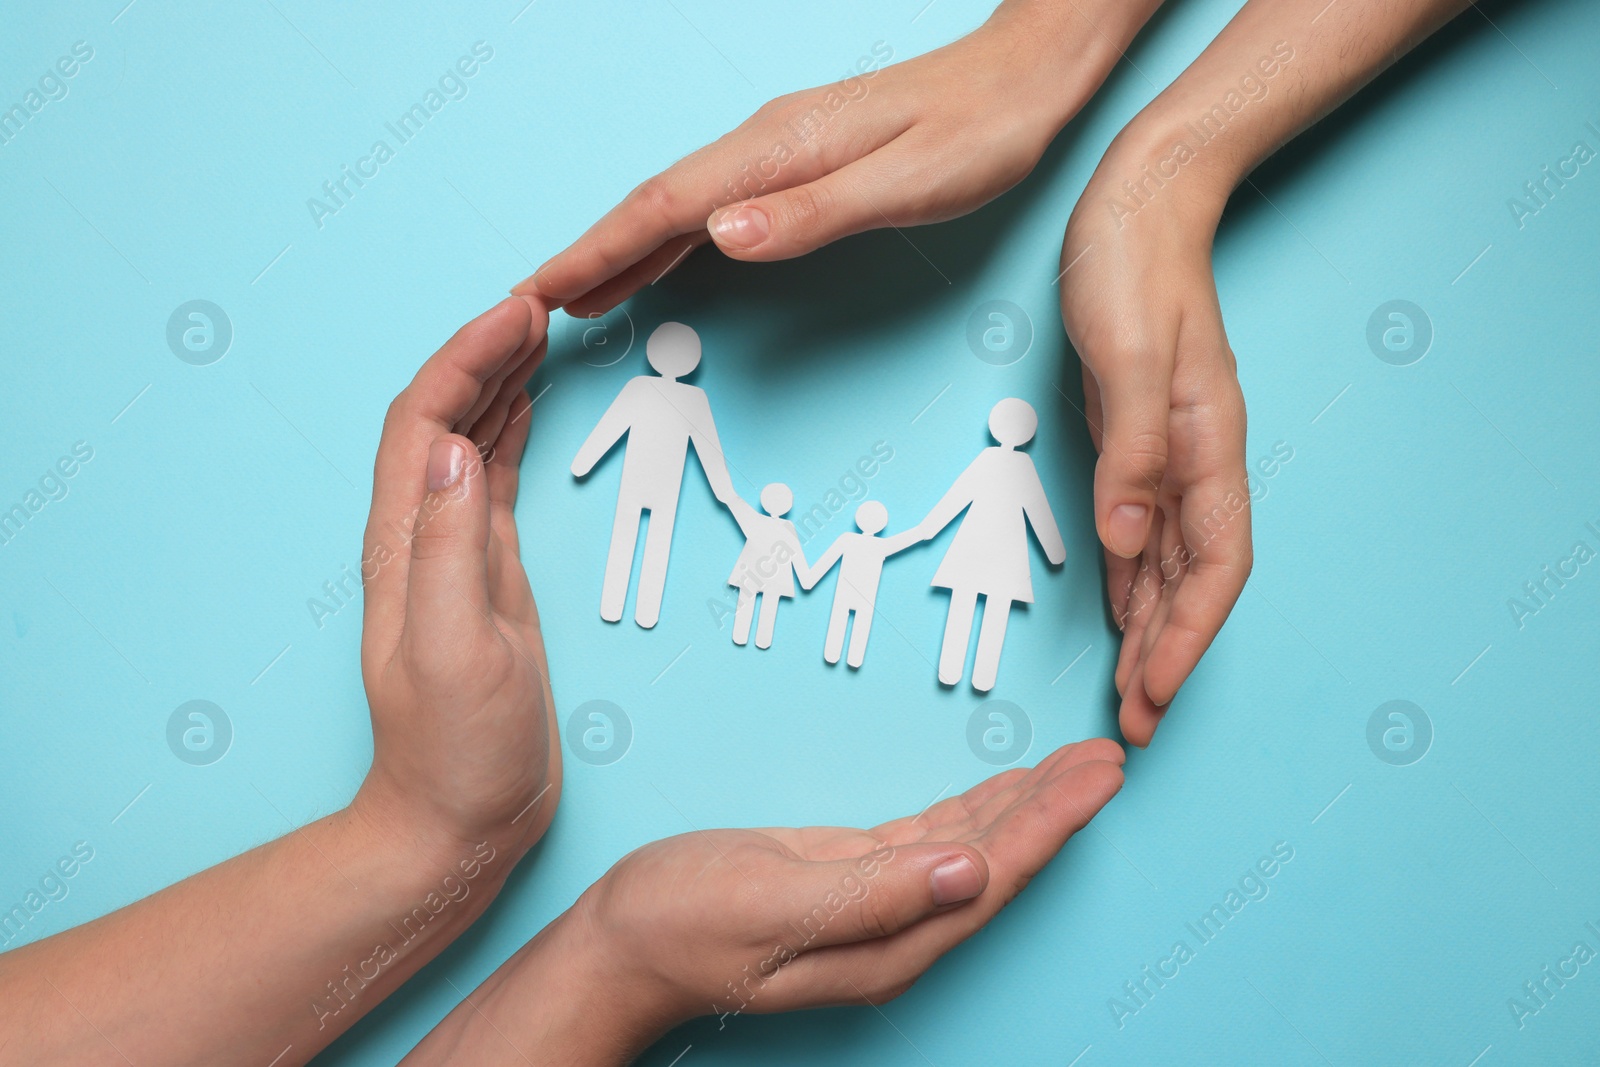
(180, 563)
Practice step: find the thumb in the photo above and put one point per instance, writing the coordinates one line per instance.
(1133, 456)
(876, 895)
(448, 582)
(795, 221)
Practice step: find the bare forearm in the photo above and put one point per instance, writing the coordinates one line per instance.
(556, 1001)
(1276, 68)
(271, 954)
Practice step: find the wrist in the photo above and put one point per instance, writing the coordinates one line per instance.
(403, 806)
(1156, 166)
(1215, 123)
(566, 997)
(426, 845)
(1066, 50)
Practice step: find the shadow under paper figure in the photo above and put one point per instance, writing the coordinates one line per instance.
(661, 417)
(1002, 496)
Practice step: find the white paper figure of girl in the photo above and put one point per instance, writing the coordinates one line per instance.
(1002, 496)
(767, 566)
(860, 556)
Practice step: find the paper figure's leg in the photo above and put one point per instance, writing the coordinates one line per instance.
(767, 619)
(619, 563)
(991, 635)
(742, 616)
(859, 629)
(653, 572)
(835, 642)
(957, 632)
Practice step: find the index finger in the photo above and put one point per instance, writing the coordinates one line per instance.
(443, 392)
(675, 202)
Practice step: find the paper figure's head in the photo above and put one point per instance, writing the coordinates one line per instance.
(1012, 422)
(777, 499)
(871, 517)
(673, 350)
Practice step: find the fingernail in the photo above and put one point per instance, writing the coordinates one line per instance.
(954, 881)
(445, 460)
(1127, 529)
(743, 227)
(529, 286)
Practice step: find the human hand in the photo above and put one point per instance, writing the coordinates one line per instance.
(463, 744)
(725, 921)
(1171, 496)
(464, 738)
(1141, 308)
(922, 141)
(861, 913)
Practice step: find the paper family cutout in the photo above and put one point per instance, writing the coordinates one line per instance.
(999, 494)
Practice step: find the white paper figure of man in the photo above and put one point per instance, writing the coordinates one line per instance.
(860, 557)
(1001, 493)
(661, 417)
(767, 566)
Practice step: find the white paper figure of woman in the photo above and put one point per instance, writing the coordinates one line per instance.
(1002, 496)
(767, 566)
(661, 418)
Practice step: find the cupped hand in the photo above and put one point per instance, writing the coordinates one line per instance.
(464, 737)
(729, 921)
(1164, 408)
(922, 141)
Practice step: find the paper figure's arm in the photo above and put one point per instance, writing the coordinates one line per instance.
(810, 576)
(949, 506)
(607, 432)
(703, 435)
(1037, 509)
(901, 541)
(743, 513)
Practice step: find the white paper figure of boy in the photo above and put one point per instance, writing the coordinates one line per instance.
(661, 417)
(860, 557)
(767, 565)
(1001, 493)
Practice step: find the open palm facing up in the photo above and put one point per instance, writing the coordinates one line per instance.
(729, 921)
